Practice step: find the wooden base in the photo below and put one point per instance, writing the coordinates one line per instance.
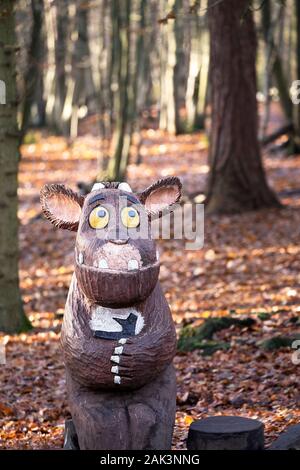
(139, 420)
(226, 433)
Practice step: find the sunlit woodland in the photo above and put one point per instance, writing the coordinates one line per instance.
(136, 90)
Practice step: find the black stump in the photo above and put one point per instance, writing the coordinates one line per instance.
(226, 433)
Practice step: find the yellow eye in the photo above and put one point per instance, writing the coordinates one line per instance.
(99, 217)
(130, 217)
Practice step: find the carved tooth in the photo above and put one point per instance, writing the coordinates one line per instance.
(157, 255)
(80, 258)
(132, 264)
(103, 264)
(122, 341)
(95, 264)
(117, 379)
(115, 359)
(115, 369)
(118, 350)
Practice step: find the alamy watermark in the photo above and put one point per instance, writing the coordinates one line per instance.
(296, 353)
(2, 353)
(2, 92)
(295, 92)
(183, 222)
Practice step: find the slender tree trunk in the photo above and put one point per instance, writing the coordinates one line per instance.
(105, 95)
(237, 180)
(181, 67)
(12, 318)
(33, 74)
(60, 64)
(267, 31)
(85, 91)
(80, 88)
(49, 82)
(122, 132)
(297, 110)
(192, 91)
(167, 120)
(276, 61)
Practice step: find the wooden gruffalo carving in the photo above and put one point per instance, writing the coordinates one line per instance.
(118, 337)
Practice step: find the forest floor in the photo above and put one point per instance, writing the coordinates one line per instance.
(248, 267)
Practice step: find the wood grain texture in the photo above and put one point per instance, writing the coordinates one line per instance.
(120, 378)
(117, 289)
(61, 206)
(134, 420)
(144, 356)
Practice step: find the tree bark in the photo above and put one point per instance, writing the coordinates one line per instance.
(236, 180)
(297, 111)
(123, 99)
(33, 76)
(167, 120)
(12, 318)
(181, 67)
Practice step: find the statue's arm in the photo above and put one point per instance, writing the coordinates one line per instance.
(141, 358)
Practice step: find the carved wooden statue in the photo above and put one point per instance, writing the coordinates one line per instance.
(118, 337)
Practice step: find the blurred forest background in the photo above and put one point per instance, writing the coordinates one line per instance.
(137, 90)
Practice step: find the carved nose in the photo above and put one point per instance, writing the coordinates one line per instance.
(118, 237)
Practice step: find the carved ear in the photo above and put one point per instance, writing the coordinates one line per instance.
(161, 195)
(61, 206)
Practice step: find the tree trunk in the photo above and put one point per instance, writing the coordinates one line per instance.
(167, 118)
(237, 180)
(60, 66)
(122, 101)
(182, 28)
(275, 58)
(12, 318)
(297, 110)
(192, 91)
(33, 75)
(276, 65)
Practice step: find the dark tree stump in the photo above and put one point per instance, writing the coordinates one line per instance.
(288, 440)
(70, 437)
(226, 433)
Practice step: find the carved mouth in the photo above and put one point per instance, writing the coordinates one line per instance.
(101, 265)
(104, 270)
(117, 288)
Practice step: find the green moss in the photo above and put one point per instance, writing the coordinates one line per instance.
(264, 316)
(207, 347)
(191, 338)
(278, 342)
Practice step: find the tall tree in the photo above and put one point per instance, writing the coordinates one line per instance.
(121, 72)
(237, 180)
(275, 59)
(12, 318)
(297, 111)
(33, 76)
(127, 26)
(167, 118)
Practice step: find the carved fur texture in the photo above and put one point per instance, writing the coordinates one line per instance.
(120, 379)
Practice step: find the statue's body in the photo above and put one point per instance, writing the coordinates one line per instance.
(118, 336)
